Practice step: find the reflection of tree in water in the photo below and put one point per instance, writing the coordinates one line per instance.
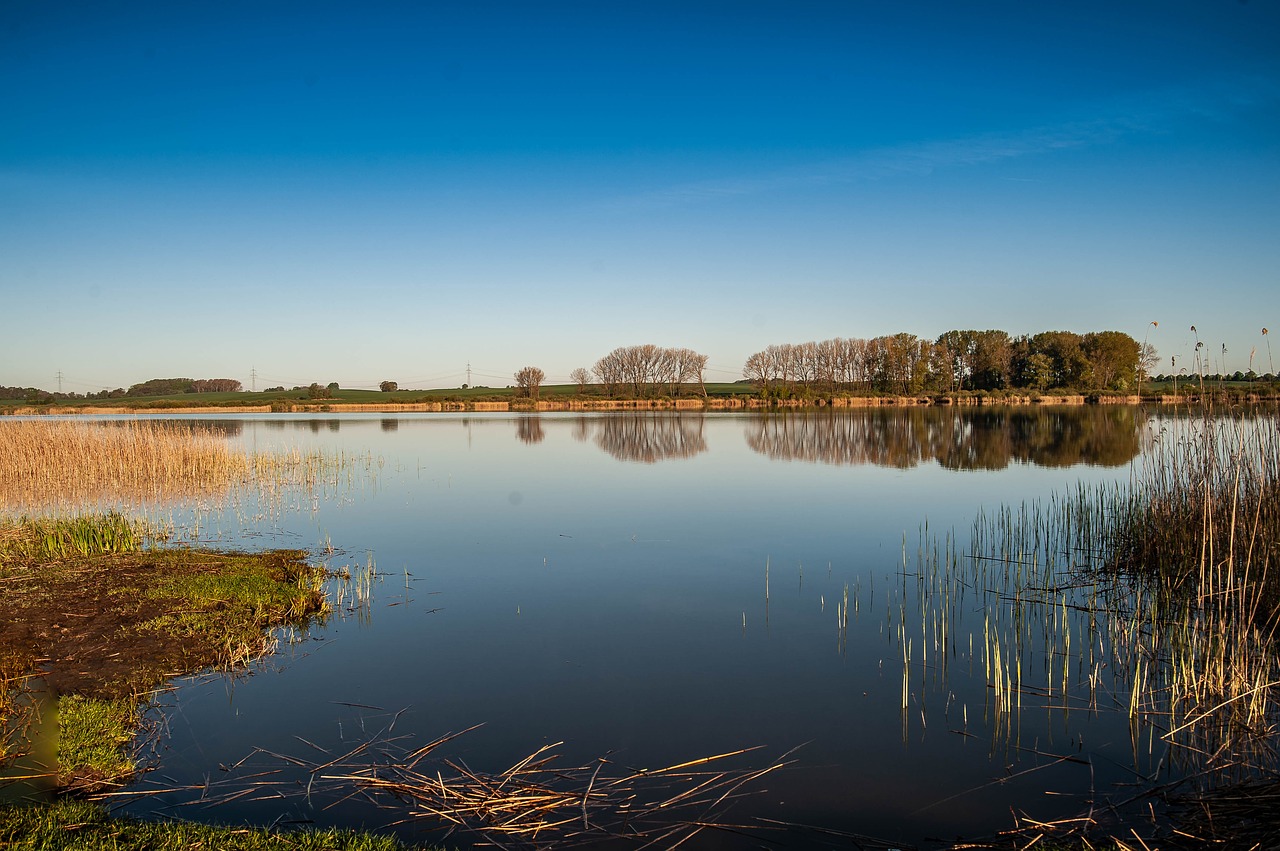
(886, 438)
(651, 437)
(315, 426)
(222, 428)
(225, 428)
(1103, 435)
(529, 430)
(957, 438)
(389, 424)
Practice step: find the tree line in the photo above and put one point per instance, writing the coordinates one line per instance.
(956, 361)
(151, 387)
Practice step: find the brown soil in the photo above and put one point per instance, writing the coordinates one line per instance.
(77, 622)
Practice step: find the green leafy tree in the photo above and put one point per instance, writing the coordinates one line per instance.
(1063, 348)
(992, 358)
(162, 387)
(1039, 371)
(1114, 359)
(954, 356)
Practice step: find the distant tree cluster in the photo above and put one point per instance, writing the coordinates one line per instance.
(36, 396)
(172, 386)
(649, 370)
(153, 387)
(17, 392)
(160, 387)
(216, 385)
(957, 360)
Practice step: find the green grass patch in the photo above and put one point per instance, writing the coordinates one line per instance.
(92, 739)
(110, 627)
(70, 824)
(37, 539)
(231, 603)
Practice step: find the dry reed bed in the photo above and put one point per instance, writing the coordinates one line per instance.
(59, 466)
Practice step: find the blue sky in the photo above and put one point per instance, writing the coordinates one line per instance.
(351, 193)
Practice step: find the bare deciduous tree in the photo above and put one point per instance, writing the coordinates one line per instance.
(529, 380)
(689, 368)
(581, 378)
(648, 369)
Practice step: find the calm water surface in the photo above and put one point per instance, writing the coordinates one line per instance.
(663, 587)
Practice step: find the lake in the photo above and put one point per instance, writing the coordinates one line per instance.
(657, 588)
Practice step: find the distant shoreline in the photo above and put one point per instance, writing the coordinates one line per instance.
(681, 404)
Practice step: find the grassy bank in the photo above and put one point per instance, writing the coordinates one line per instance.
(105, 622)
(70, 824)
(107, 626)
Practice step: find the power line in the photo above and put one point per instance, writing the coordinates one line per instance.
(725, 371)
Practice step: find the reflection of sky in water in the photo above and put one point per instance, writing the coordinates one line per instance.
(554, 592)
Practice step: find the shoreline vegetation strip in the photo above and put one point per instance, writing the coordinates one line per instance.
(429, 403)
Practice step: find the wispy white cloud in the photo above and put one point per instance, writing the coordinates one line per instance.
(877, 164)
(1152, 113)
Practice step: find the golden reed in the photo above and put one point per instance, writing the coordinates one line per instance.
(49, 466)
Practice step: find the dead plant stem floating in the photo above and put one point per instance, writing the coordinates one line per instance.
(535, 803)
